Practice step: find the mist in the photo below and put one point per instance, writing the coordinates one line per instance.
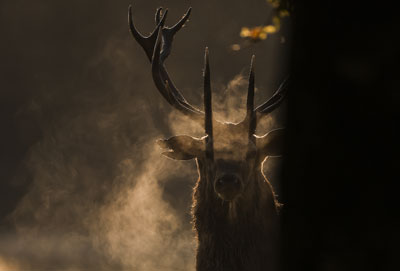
(88, 188)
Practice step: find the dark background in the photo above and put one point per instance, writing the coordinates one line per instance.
(79, 116)
(341, 168)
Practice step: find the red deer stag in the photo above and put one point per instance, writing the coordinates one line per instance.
(234, 206)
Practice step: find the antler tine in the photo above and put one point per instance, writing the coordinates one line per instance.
(164, 84)
(207, 96)
(182, 21)
(148, 42)
(276, 99)
(250, 119)
(208, 108)
(169, 33)
(158, 15)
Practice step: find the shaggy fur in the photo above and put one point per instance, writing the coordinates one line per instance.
(235, 236)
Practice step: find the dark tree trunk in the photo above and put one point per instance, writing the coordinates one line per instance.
(342, 152)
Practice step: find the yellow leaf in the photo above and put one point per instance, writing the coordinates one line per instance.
(274, 3)
(262, 36)
(245, 32)
(284, 13)
(276, 22)
(269, 29)
(235, 47)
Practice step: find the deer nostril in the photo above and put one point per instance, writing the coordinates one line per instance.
(228, 179)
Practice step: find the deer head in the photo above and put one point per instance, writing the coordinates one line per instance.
(229, 153)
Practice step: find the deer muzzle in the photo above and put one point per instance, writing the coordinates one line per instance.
(228, 186)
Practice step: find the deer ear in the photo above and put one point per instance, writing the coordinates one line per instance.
(182, 147)
(271, 144)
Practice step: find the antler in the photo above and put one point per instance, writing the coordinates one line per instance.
(208, 120)
(157, 47)
(267, 107)
(251, 119)
(276, 99)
